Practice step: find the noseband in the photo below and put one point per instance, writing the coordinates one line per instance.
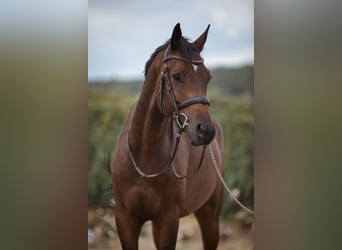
(165, 78)
(181, 119)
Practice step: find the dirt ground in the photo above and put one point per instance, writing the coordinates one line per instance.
(233, 237)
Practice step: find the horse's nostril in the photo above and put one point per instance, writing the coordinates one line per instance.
(201, 130)
(202, 134)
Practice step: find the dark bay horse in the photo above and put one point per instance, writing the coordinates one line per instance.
(157, 173)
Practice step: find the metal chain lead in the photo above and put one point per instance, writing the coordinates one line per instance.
(224, 183)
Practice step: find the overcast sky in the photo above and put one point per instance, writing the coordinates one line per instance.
(123, 34)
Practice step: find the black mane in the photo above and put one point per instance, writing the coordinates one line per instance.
(154, 55)
(185, 47)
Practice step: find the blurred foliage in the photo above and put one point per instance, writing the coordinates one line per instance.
(107, 110)
(235, 114)
(106, 114)
(233, 81)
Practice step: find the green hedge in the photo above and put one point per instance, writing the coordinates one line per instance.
(106, 114)
(236, 118)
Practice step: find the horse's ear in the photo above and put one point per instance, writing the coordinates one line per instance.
(176, 36)
(200, 41)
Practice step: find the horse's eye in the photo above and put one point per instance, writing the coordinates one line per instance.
(176, 77)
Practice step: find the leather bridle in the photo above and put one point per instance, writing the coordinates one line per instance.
(181, 119)
(165, 78)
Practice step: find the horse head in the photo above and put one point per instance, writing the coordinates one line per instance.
(182, 92)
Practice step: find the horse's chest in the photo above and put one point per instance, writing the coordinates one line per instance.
(148, 200)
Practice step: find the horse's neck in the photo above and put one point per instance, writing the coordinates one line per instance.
(150, 130)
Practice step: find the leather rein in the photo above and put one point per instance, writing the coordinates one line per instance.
(181, 119)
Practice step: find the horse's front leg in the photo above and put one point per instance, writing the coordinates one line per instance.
(128, 229)
(165, 229)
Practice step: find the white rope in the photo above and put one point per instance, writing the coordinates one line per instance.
(224, 183)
